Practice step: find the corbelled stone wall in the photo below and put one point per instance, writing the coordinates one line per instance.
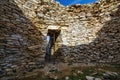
(92, 35)
(21, 49)
(89, 33)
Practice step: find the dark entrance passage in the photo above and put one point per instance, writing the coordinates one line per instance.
(50, 48)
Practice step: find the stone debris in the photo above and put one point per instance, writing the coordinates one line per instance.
(92, 78)
(110, 76)
(67, 78)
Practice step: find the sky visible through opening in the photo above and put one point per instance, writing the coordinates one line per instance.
(71, 2)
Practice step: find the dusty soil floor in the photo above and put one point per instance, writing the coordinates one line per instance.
(64, 71)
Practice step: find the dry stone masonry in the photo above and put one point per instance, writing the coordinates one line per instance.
(89, 33)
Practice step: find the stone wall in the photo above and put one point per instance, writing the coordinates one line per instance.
(93, 34)
(89, 33)
(21, 49)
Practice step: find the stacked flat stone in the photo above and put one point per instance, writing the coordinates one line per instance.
(92, 33)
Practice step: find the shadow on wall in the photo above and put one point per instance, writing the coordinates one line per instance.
(18, 35)
(104, 49)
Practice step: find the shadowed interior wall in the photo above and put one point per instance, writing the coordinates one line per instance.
(21, 42)
(89, 33)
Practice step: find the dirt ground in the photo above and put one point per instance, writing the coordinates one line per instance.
(64, 71)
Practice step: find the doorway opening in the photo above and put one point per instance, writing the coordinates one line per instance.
(52, 36)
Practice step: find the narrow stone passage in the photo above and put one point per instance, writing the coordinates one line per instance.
(52, 35)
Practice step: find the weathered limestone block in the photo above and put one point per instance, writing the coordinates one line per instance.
(34, 47)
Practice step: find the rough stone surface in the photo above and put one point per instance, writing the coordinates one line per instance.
(89, 33)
